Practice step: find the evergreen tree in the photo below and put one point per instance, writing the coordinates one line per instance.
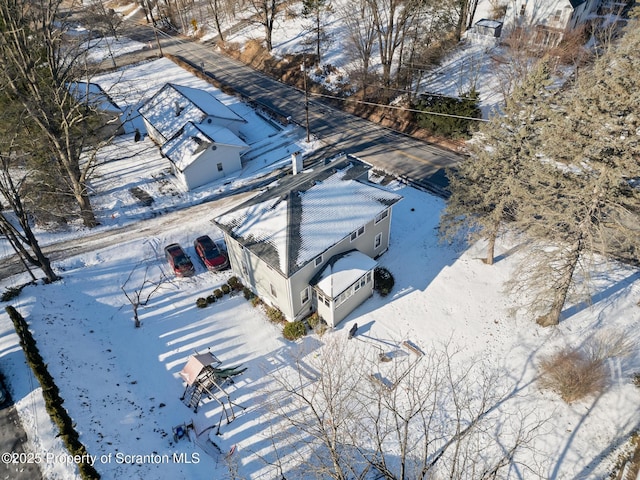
(485, 186)
(583, 197)
(451, 124)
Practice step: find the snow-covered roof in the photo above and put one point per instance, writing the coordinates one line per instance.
(489, 23)
(342, 271)
(175, 105)
(184, 148)
(292, 224)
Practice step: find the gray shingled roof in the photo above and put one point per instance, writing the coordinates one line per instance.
(291, 224)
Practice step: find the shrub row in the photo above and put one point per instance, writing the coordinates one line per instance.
(50, 392)
(233, 284)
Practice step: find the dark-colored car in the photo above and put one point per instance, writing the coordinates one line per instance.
(179, 261)
(209, 254)
(4, 396)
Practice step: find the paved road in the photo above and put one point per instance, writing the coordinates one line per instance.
(415, 160)
(12, 439)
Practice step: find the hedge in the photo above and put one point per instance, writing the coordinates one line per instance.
(50, 392)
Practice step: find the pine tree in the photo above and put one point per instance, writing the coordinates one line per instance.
(583, 198)
(484, 187)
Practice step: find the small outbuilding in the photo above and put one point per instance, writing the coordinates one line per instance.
(491, 28)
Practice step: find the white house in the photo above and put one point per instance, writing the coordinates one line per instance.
(196, 132)
(549, 20)
(310, 243)
(195, 149)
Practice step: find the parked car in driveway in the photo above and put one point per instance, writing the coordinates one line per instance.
(179, 261)
(209, 253)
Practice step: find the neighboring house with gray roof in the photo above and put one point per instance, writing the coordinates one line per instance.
(196, 132)
(310, 243)
(99, 101)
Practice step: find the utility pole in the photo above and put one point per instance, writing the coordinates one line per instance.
(155, 28)
(303, 67)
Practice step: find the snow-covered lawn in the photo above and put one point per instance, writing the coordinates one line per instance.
(121, 384)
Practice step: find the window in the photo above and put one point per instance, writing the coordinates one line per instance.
(357, 233)
(304, 296)
(273, 291)
(318, 260)
(523, 9)
(378, 240)
(368, 277)
(326, 301)
(382, 215)
(219, 167)
(356, 287)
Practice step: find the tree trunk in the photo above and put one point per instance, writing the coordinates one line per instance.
(86, 211)
(491, 246)
(563, 284)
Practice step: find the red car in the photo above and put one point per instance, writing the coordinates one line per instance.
(209, 254)
(179, 261)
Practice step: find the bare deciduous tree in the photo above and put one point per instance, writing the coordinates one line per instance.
(358, 20)
(12, 180)
(141, 293)
(265, 13)
(38, 61)
(350, 416)
(316, 10)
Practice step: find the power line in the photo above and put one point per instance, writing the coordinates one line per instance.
(363, 102)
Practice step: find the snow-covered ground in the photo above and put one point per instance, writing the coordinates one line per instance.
(121, 384)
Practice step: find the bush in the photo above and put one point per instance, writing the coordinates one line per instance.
(50, 393)
(294, 330)
(256, 301)
(225, 288)
(313, 320)
(576, 373)
(235, 283)
(321, 328)
(211, 299)
(383, 281)
(218, 293)
(248, 294)
(449, 126)
(573, 374)
(201, 302)
(275, 315)
(10, 293)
